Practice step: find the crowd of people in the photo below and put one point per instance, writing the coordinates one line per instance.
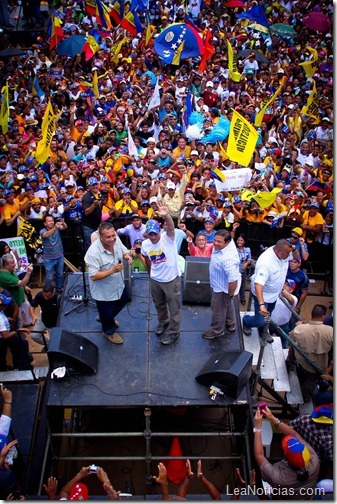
(129, 181)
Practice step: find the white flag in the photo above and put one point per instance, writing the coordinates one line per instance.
(131, 146)
(155, 99)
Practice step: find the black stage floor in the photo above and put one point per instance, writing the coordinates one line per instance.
(142, 371)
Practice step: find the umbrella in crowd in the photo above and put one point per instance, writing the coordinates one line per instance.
(232, 4)
(12, 51)
(71, 46)
(317, 21)
(259, 56)
(282, 30)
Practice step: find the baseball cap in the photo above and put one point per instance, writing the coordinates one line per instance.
(291, 283)
(170, 185)
(5, 300)
(298, 231)
(146, 202)
(105, 179)
(162, 176)
(236, 199)
(209, 84)
(152, 226)
(151, 139)
(92, 181)
(135, 216)
(69, 184)
(154, 199)
(79, 492)
(272, 214)
(323, 414)
(126, 191)
(31, 179)
(314, 204)
(70, 197)
(296, 453)
(194, 153)
(227, 204)
(20, 176)
(209, 219)
(220, 197)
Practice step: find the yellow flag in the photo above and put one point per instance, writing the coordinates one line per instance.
(95, 84)
(232, 66)
(48, 130)
(148, 35)
(4, 111)
(311, 108)
(260, 114)
(222, 152)
(311, 65)
(242, 140)
(264, 199)
(116, 49)
(176, 57)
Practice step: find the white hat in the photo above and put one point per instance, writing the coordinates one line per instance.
(209, 84)
(194, 153)
(151, 139)
(281, 71)
(290, 106)
(272, 214)
(170, 185)
(153, 199)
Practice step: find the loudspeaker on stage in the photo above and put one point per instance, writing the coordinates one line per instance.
(229, 371)
(75, 352)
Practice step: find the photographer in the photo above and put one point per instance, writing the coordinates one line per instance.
(92, 211)
(138, 262)
(53, 257)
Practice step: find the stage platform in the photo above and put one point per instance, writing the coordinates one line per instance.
(142, 371)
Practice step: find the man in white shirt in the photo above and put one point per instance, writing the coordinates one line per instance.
(161, 257)
(267, 283)
(225, 280)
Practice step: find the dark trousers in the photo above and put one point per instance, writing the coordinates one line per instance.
(19, 350)
(108, 310)
(257, 320)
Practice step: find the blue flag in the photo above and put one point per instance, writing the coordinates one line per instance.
(256, 14)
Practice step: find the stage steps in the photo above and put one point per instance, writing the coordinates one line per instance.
(26, 376)
(273, 365)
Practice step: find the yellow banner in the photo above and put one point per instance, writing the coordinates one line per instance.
(310, 66)
(4, 111)
(311, 109)
(232, 66)
(265, 105)
(242, 140)
(95, 84)
(116, 49)
(48, 130)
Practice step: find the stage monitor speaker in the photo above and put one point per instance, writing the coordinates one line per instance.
(127, 277)
(75, 352)
(196, 280)
(229, 371)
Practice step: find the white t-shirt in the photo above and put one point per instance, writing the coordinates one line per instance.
(164, 258)
(270, 271)
(281, 314)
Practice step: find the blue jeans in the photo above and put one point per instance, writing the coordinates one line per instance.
(257, 320)
(54, 264)
(108, 310)
(242, 292)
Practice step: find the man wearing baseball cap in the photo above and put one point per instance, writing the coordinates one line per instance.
(297, 475)
(161, 257)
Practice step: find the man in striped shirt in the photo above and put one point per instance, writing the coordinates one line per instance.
(225, 280)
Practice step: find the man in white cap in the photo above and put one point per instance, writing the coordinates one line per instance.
(161, 257)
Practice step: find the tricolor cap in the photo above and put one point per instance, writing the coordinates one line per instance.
(323, 414)
(296, 453)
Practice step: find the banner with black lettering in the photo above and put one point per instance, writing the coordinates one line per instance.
(311, 109)
(234, 74)
(265, 105)
(48, 129)
(242, 140)
(4, 111)
(311, 65)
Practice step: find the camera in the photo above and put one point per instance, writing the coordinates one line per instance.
(137, 250)
(93, 469)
